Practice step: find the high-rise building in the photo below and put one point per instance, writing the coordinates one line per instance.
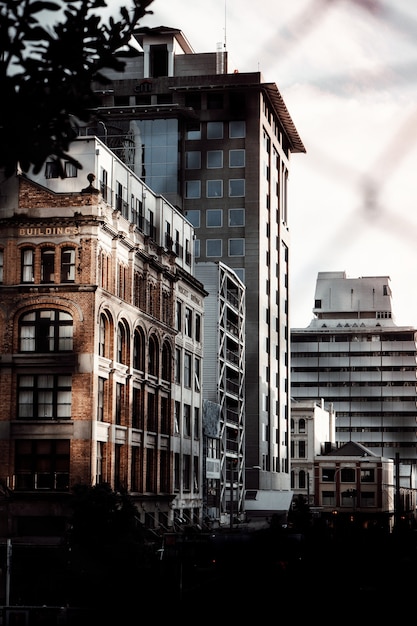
(218, 147)
(101, 346)
(355, 357)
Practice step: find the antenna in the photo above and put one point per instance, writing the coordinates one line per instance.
(225, 21)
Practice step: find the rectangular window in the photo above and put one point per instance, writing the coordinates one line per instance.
(178, 365)
(188, 321)
(186, 472)
(237, 129)
(177, 408)
(196, 423)
(47, 265)
(67, 265)
(214, 217)
(44, 396)
(237, 188)
(236, 217)
(137, 408)
(193, 131)
(179, 315)
(187, 370)
(197, 248)
(100, 399)
(214, 130)
(214, 189)
(214, 158)
(70, 170)
(236, 158)
(197, 368)
(51, 169)
(186, 422)
(236, 247)
(193, 216)
(193, 189)
(197, 327)
(27, 259)
(193, 160)
(42, 464)
(214, 247)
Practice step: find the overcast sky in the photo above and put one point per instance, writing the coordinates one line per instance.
(347, 72)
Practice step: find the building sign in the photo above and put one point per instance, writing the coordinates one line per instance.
(42, 231)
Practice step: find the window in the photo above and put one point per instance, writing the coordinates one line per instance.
(367, 498)
(47, 265)
(42, 464)
(186, 422)
(188, 321)
(193, 216)
(27, 263)
(198, 327)
(51, 169)
(236, 217)
(302, 425)
(368, 475)
(236, 247)
(70, 170)
(214, 189)
(196, 423)
(237, 187)
(214, 130)
(214, 217)
(193, 160)
(197, 374)
(46, 330)
(166, 361)
(214, 158)
(214, 247)
(44, 396)
(193, 131)
(67, 265)
(301, 449)
(179, 315)
(236, 158)
(237, 129)
(100, 399)
(137, 408)
(178, 365)
(139, 350)
(197, 248)
(328, 498)
(193, 189)
(153, 363)
(1, 265)
(187, 370)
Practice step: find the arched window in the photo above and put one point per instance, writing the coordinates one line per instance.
(122, 344)
(27, 274)
(153, 362)
(302, 425)
(166, 361)
(102, 335)
(46, 330)
(139, 350)
(48, 265)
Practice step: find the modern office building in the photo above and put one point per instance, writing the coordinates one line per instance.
(354, 357)
(217, 145)
(224, 386)
(101, 343)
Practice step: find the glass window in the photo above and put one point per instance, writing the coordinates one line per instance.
(237, 129)
(236, 247)
(237, 187)
(214, 217)
(214, 247)
(193, 131)
(197, 246)
(187, 369)
(42, 464)
(67, 265)
(214, 158)
(70, 170)
(45, 330)
(193, 160)
(44, 396)
(236, 158)
(236, 217)
(27, 263)
(240, 273)
(48, 265)
(214, 130)
(193, 189)
(51, 169)
(214, 189)
(193, 216)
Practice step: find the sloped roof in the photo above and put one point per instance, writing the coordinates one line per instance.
(351, 448)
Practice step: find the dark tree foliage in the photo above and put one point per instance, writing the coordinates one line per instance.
(47, 72)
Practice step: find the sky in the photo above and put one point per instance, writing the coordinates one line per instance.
(347, 72)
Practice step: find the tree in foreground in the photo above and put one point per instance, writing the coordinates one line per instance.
(47, 72)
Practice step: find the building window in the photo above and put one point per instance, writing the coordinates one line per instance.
(100, 399)
(51, 169)
(236, 247)
(177, 407)
(67, 265)
(214, 189)
(47, 265)
(179, 315)
(153, 363)
(367, 498)
(237, 158)
(186, 421)
(137, 408)
(302, 426)
(197, 327)
(193, 160)
(197, 374)
(178, 365)
(197, 248)
(1, 265)
(236, 217)
(214, 247)
(328, 498)
(193, 189)
(44, 396)
(27, 265)
(186, 472)
(214, 159)
(188, 321)
(214, 130)
(46, 330)
(301, 449)
(237, 188)
(71, 170)
(187, 370)
(42, 464)
(139, 350)
(214, 218)
(237, 129)
(193, 216)
(193, 131)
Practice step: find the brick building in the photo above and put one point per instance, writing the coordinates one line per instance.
(101, 339)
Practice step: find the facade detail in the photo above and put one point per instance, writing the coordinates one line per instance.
(101, 344)
(224, 385)
(218, 147)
